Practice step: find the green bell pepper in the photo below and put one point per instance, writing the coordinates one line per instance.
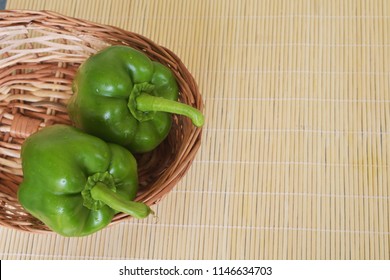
(75, 183)
(123, 97)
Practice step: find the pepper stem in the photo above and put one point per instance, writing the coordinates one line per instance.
(146, 102)
(136, 209)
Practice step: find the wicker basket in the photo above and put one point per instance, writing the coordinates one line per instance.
(40, 52)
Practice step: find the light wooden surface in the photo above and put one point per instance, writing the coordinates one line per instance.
(295, 156)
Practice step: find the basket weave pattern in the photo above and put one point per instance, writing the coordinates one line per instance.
(40, 53)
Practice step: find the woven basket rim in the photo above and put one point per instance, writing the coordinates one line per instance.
(27, 105)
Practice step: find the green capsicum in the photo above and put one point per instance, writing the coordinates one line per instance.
(123, 97)
(75, 183)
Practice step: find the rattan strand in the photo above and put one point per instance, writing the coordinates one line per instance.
(40, 51)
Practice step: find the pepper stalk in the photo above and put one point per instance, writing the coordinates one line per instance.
(104, 194)
(100, 190)
(142, 104)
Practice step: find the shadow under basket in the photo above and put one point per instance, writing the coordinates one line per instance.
(40, 52)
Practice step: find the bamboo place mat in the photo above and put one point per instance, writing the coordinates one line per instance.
(295, 152)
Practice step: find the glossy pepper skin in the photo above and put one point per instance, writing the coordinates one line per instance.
(123, 97)
(75, 183)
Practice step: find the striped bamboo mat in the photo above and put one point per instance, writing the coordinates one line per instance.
(295, 157)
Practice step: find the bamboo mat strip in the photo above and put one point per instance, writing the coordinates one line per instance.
(295, 155)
